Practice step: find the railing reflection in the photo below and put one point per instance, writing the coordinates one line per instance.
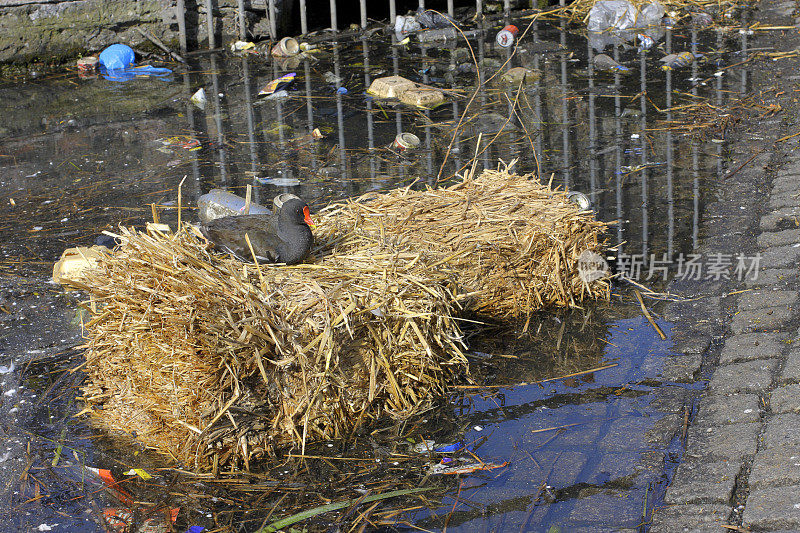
(651, 182)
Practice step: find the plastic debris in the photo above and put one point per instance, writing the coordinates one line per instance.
(430, 19)
(116, 64)
(240, 46)
(425, 446)
(702, 19)
(445, 469)
(219, 203)
(405, 25)
(422, 97)
(645, 41)
(7, 369)
(117, 57)
(180, 141)
(604, 62)
(515, 76)
(390, 86)
(505, 37)
(75, 260)
(199, 98)
(449, 448)
(341, 90)
(442, 34)
(278, 84)
(618, 21)
(279, 182)
(138, 472)
(673, 61)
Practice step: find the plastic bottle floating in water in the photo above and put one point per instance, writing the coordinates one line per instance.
(674, 61)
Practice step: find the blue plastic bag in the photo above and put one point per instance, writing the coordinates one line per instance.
(116, 64)
(117, 57)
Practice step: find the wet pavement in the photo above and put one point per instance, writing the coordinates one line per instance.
(590, 409)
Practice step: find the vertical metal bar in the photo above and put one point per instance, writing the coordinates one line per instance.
(223, 169)
(370, 121)
(506, 9)
(310, 111)
(363, 13)
(392, 11)
(339, 110)
(248, 110)
(242, 27)
(273, 24)
(180, 12)
(210, 24)
(422, 5)
(450, 8)
(303, 18)
(479, 7)
(334, 20)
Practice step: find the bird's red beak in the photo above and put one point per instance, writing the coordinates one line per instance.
(307, 217)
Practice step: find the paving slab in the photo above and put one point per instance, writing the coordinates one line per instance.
(732, 441)
(775, 467)
(778, 238)
(769, 319)
(780, 219)
(782, 430)
(749, 346)
(791, 367)
(780, 256)
(747, 376)
(692, 518)
(764, 298)
(773, 277)
(699, 481)
(787, 198)
(785, 399)
(719, 409)
(772, 508)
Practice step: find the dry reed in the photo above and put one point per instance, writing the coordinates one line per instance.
(215, 363)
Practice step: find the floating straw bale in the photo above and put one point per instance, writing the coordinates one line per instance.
(215, 363)
(511, 242)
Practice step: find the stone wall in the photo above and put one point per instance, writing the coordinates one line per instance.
(33, 30)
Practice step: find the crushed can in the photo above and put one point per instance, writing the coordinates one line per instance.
(505, 37)
(286, 47)
(87, 64)
(405, 141)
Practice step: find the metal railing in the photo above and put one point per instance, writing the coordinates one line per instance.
(303, 8)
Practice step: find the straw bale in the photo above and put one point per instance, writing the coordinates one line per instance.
(215, 363)
(190, 353)
(511, 242)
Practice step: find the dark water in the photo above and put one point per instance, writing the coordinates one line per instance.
(594, 451)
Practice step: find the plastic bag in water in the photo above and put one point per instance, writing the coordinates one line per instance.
(116, 57)
(432, 20)
(619, 21)
(622, 15)
(116, 64)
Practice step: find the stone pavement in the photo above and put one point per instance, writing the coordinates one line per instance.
(741, 465)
